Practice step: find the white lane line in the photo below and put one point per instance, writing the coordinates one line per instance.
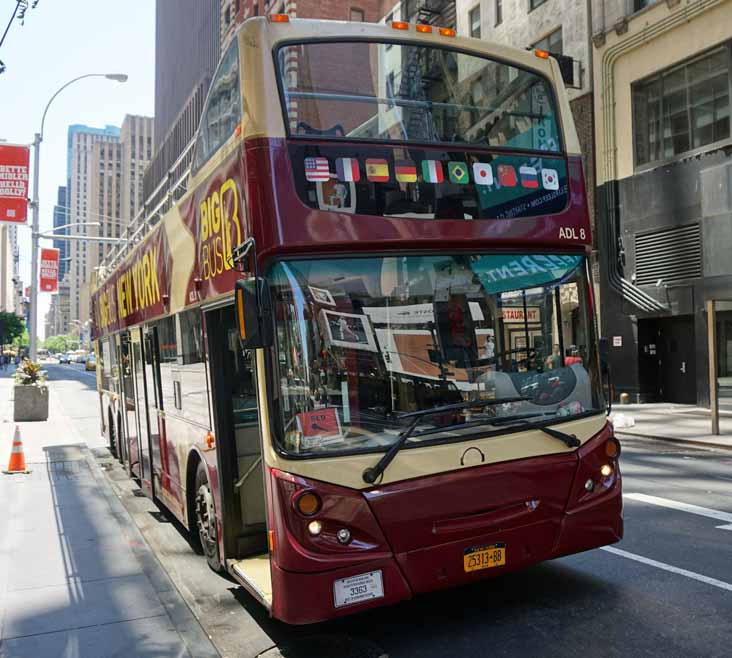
(684, 507)
(667, 567)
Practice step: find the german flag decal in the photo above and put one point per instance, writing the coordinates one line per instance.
(406, 171)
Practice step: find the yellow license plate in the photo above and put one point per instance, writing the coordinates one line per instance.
(484, 557)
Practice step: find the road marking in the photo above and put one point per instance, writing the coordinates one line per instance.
(667, 567)
(684, 507)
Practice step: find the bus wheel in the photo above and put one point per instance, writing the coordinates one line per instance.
(206, 519)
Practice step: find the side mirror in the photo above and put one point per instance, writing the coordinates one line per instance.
(253, 313)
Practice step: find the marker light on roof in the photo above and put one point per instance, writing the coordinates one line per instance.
(279, 18)
(447, 32)
(542, 53)
(424, 29)
(400, 25)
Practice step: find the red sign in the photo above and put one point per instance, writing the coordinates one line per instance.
(323, 423)
(49, 270)
(14, 183)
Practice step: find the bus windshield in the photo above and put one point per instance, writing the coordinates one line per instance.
(417, 93)
(361, 341)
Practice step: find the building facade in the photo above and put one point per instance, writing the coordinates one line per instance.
(61, 218)
(663, 75)
(187, 47)
(81, 172)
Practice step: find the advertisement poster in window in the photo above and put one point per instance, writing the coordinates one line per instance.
(348, 330)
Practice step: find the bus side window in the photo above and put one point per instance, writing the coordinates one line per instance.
(222, 113)
(191, 369)
(168, 355)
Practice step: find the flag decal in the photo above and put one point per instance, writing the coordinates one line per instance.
(406, 171)
(482, 174)
(432, 171)
(316, 169)
(458, 172)
(529, 177)
(377, 170)
(347, 169)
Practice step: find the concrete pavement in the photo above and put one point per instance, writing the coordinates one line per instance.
(680, 423)
(77, 579)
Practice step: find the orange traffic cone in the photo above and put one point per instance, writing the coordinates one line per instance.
(17, 457)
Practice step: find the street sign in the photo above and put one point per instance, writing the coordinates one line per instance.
(14, 183)
(49, 270)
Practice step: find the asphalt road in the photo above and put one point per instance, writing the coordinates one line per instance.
(665, 590)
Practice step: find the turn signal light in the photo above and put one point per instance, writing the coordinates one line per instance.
(447, 32)
(308, 503)
(424, 29)
(542, 53)
(612, 448)
(279, 18)
(400, 25)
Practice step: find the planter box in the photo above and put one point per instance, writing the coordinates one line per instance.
(31, 402)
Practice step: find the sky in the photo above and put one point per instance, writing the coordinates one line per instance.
(62, 39)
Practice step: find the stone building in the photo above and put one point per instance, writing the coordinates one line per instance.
(663, 75)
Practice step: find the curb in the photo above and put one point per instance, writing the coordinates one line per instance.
(669, 439)
(181, 617)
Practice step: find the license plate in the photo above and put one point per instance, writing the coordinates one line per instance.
(484, 557)
(364, 587)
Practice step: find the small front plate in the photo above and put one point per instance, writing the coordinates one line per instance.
(484, 557)
(355, 589)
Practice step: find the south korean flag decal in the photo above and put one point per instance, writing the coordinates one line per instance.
(482, 174)
(549, 179)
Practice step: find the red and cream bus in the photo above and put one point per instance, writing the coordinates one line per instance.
(357, 359)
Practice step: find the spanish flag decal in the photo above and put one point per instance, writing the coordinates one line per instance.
(377, 170)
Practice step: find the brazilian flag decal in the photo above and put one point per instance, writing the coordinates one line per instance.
(458, 172)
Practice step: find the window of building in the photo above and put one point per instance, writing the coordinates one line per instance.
(222, 113)
(552, 43)
(499, 12)
(642, 4)
(357, 15)
(533, 4)
(683, 108)
(474, 20)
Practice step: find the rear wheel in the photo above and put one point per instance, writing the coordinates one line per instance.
(205, 513)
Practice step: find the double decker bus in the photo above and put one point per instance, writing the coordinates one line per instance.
(357, 359)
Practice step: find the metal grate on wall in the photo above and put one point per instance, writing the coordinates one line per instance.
(671, 255)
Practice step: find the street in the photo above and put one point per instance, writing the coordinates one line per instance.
(665, 590)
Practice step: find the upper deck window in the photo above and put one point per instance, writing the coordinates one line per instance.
(339, 90)
(222, 113)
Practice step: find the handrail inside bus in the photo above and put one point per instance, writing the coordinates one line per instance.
(395, 100)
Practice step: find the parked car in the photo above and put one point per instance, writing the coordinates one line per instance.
(91, 362)
(81, 357)
(64, 358)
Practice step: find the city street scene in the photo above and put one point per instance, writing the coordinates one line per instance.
(365, 329)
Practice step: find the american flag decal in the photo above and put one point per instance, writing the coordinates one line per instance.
(317, 170)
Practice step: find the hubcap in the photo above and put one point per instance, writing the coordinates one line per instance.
(205, 518)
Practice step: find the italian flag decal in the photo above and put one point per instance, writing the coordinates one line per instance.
(432, 171)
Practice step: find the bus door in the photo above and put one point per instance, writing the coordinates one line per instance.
(236, 416)
(130, 449)
(142, 439)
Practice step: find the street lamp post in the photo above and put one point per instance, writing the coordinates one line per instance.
(119, 77)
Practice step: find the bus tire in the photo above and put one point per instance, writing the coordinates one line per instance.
(205, 515)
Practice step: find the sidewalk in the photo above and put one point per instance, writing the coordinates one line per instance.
(77, 580)
(681, 423)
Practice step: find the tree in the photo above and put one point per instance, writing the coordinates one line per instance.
(56, 344)
(11, 327)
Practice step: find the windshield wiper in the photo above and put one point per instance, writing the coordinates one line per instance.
(570, 440)
(371, 474)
